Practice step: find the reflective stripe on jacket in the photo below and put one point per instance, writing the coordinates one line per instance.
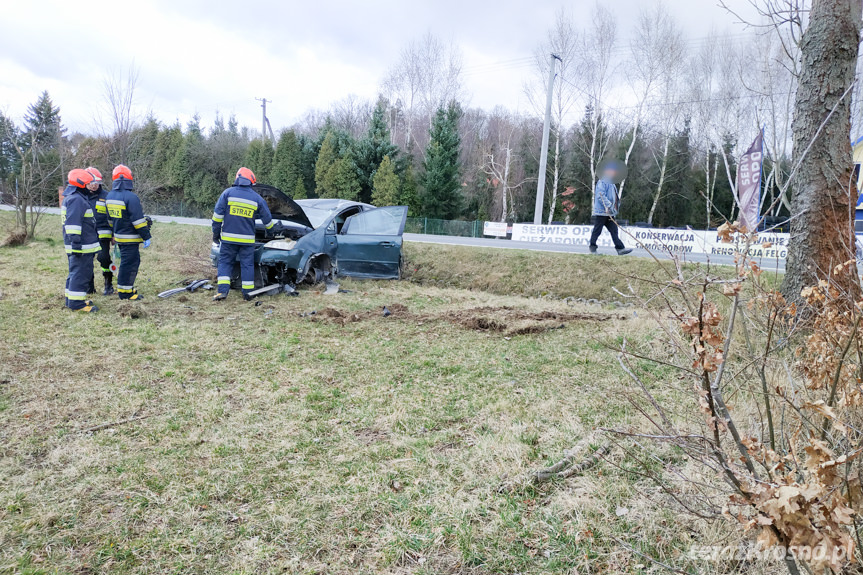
(125, 214)
(103, 226)
(236, 211)
(79, 223)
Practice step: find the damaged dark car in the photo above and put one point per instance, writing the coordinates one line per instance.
(322, 239)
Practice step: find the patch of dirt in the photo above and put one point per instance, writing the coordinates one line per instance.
(182, 298)
(369, 435)
(398, 309)
(330, 312)
(512, 321)
(131, 310)
(479, 323)
(535, 328)
(506, 320)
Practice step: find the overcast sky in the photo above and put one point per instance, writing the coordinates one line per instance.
(200, 56)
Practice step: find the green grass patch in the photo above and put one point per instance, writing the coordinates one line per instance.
(262, 439)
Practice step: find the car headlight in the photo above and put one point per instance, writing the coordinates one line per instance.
(286, 245)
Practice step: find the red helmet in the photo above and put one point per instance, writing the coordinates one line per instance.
(97, 175)
(80, 178)
(121, 171)
(247, 173)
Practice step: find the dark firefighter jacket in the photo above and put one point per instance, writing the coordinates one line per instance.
(125, 214)
(236, 211)
(79, 223)
(97, 200)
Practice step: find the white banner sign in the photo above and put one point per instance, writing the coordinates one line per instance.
(770, 245)
(497, 229)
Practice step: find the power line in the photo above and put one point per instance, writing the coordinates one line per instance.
(678, 102)
(514, 61)
(644, 129)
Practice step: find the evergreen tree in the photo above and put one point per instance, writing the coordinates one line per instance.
(167, 165)
(189, 166)
(259, 159)
(723, 197)
(300, 189)
(327, 158)
(286, 161)
(638, 190)
(675, 207)
(144, 143)
(441, 195)
(372, 149)
(42, 123)
(577, 173)
(386, 184)
(341, 181)
(227, 149)
(408, 190)
(308, 156)
(9, 159)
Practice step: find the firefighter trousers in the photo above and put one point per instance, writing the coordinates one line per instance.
(130, 259)
(80, 272)
(104, 259)
(230, 253)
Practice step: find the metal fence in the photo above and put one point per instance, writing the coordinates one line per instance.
(467, 229)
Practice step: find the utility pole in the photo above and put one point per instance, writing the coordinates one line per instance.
(265, 122)
(543, 153)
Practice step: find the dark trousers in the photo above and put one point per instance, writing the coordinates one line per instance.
(130, 259)
(104, 255)
(104, 259)
(608, 223)
(80, 273)
(228, 254)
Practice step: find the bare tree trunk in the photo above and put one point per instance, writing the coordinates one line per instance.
(555, 178)
(731, 182)
(593, 136)
(629, 150)
(708, 192)
(713, 184)
(822, 233)
(662, 171)
(505, 184)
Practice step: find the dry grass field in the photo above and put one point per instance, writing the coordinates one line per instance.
(313, 434)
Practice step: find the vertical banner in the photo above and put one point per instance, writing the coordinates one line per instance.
(749, 184)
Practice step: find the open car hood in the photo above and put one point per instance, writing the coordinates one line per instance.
(282, 206)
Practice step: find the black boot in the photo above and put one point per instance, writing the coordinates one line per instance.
(109, 281)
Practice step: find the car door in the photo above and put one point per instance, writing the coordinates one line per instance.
(370, 243)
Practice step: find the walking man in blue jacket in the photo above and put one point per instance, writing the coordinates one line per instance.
(80, 240)
(234, 229)
(130, 229)
(606, 203)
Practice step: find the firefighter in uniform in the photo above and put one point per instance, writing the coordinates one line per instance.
(80, 240)
(97, 199)
(234, 227)
(130, 229)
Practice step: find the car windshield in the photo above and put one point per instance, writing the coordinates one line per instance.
(318, 217)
